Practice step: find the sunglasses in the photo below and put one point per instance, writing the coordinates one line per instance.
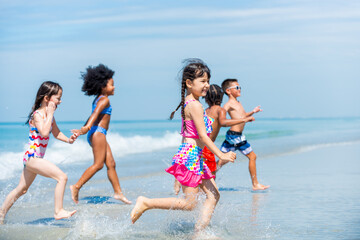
(236, 87)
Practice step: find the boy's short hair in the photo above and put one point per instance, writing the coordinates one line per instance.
(226, 84)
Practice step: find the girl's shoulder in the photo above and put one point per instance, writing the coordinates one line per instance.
(38, 114)
(191, 102)
(37, 117)
(101, 99)
(194, 105)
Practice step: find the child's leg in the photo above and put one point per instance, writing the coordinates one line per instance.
(113, 177)
(99, 147)
(188, 203)
(212, 197)
(50, 170)
(177, 186)
(26, 180)
(252, 169)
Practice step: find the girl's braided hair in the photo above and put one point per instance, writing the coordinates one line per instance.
(194, 68)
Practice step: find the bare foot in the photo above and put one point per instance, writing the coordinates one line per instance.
(2, 216)
(260, 187)
(122, 198)
(139, 209)
(177, 187)
(203, 235)
(74, 194)
(63, 214)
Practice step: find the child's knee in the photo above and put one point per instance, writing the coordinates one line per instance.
(214, 197)
(63, 178)
(111, 165)
(217, 197)
(252, 156)
(191, 205)
(23, 189)
(98, 166)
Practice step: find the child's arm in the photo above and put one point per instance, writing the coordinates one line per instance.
(60, 136)
(42, 126)
(224, 122)
(255, 110)
(197, 116)
(101, 105)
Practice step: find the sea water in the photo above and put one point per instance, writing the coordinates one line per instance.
(299, 158)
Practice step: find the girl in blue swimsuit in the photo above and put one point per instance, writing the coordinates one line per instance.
(98, 82)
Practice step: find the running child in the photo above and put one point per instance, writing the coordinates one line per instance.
(213, 98)
(42, 122)
(235, 139)
(99, 82)
(187, 165)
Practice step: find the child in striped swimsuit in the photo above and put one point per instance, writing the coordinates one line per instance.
(42, 122)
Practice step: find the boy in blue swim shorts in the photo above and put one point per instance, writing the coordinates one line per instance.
(235, 139)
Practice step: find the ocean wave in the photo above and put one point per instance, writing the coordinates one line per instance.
(63, 153)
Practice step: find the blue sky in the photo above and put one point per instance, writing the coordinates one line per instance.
(294, 58)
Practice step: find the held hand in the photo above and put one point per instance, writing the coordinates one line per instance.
(76, 131)
(228, 157)
(257, 109)
(83, 130)
(73, 138)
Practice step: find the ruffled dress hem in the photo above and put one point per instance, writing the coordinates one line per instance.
(187, 177)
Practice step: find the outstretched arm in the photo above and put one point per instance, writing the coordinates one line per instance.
(198, 118)
(255, 110)
(60, 136)
(101, 105)
(224, 122)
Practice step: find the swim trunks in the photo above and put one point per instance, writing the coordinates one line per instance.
(235, 141)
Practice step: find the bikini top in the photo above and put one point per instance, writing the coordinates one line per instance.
(190, 129)
(105, 110)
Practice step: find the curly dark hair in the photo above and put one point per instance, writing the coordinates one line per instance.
(95, 79)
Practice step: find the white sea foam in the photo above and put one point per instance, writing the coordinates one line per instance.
(63, 153)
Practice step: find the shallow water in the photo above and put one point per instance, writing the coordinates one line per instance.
(313, 176)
